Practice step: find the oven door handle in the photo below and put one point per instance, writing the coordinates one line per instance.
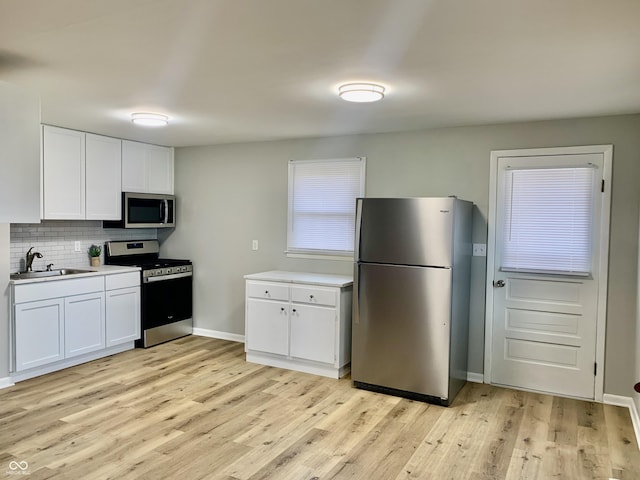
(167, 277)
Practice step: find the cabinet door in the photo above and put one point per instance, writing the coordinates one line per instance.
(63, 173)
(39, 333)
(134, 173)
(103, 177)
(83, 324)
(267, 326)
(146, 168)
(159, 169)
(123, 316)
(313, 333)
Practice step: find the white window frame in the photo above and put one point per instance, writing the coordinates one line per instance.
(320, 254)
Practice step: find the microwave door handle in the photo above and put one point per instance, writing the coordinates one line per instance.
(166, 211)
(162, 212)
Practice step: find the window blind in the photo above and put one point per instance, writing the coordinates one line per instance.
(547, 220)
(322, 202)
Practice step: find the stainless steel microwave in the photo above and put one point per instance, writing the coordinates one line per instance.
(145, 210)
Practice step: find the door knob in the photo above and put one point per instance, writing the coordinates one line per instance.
(498, 283)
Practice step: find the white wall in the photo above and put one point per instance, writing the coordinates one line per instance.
(229, 195)
(19, 154)
(4, 300)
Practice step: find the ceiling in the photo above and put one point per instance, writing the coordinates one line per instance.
(245, 70)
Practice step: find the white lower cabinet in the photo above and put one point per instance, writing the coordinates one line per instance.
(268, 322)
(84, 324)
(39, 333)
(313, 333)
(299, 321)
(58, 320)
(123, 315)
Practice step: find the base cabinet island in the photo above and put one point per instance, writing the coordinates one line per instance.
(300, 321)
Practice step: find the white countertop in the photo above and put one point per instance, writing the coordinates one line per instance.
(92, 272)
(328, 280)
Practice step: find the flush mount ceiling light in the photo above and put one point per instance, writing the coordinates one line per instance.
(150, 119)
(361, 92)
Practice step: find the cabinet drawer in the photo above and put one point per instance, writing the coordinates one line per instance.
(268, 291)
(122, 280)
(314, 295)
(57, 288)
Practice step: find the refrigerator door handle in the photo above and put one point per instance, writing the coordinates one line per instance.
(356, 253)
(356, 295)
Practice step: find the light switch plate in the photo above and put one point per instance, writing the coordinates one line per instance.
(479, 249)
(76, 246)
(254, 245)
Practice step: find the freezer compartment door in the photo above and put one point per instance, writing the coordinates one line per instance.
(401, 328)
(405, 231)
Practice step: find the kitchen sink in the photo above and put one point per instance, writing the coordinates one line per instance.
(47, 273)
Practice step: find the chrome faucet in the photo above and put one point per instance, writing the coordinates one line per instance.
(29, 259)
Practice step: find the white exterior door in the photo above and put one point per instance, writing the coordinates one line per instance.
(546, 269)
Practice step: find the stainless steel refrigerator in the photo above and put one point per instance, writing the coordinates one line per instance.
(411, 288)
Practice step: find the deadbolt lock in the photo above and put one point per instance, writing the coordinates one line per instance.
(498, 283)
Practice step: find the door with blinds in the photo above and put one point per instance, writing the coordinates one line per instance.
(547, 270)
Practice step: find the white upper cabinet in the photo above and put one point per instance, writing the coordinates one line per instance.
(81, 175)
(146, 168)
(103, 177)
(63, 173)
(19, 155)
(134, 169)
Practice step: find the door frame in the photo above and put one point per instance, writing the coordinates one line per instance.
(601, 314)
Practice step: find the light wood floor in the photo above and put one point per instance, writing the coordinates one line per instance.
(194, 409)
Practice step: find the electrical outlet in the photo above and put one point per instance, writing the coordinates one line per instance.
(254, 245)
(76, 246)
(479, 249)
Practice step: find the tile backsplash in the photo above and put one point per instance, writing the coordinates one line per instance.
(55, 240)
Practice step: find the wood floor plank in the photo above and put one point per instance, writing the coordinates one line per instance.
(531, 442)
(623, 447)
(193, 408)
(445, 449)
(386, 449)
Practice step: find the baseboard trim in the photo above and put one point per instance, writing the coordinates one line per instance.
(475, 377)
(205, 332)
(70, 362)
(6, 383)
(620, 401)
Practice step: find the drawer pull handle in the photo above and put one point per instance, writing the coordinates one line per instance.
(266, 292)
(311, 297)
(294, 310)
(282, 309)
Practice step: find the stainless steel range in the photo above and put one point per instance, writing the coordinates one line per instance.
(167, 308)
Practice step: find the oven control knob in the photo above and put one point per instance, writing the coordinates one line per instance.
(151, 274)
(168, 272)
